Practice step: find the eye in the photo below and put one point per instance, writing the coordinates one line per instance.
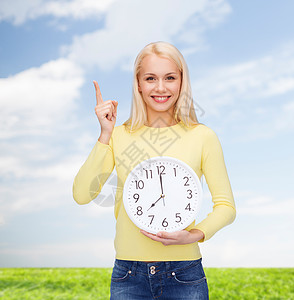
(170, 78)
(150, 78)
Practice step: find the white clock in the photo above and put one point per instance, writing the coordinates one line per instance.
(162, 194)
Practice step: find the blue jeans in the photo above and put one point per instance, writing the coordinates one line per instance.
(180, 280)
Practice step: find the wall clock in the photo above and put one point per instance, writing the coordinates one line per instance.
(162, 194)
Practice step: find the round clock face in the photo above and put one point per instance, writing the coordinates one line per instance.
(162, 194)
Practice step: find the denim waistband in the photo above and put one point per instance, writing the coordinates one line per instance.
(156, 268)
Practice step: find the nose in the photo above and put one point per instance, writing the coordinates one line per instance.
(160, 87)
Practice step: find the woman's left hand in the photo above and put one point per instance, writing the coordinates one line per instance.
(181, 237)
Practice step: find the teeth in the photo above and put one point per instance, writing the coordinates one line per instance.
(160, 98)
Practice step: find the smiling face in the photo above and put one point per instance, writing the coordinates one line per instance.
(159, 82)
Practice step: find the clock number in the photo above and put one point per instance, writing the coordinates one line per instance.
(164, 223)
(136, 197)
(186, 183)
(160, 170)
(175, 170)
(139, 184)
(147, 174)
(190, 194)
(139, 211)
(178, 217)
(152, 217)
(188, 207)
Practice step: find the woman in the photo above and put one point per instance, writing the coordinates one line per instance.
(163, 265)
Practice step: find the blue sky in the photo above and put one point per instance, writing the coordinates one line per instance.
(241, 60)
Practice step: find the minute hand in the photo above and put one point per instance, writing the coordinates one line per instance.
(160, 178)
(162, 194)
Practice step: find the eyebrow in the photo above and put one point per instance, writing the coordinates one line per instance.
(170, 73)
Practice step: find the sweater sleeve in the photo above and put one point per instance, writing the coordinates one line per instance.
(215, 172)
(93, 173)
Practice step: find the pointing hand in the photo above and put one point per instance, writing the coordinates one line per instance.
(106, 111)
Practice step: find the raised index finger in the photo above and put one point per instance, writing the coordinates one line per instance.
(99, 98)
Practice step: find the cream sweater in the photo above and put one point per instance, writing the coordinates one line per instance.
(199, 147)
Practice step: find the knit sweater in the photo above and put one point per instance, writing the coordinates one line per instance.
(199, 147)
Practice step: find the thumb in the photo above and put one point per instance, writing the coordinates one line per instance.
(164, 235)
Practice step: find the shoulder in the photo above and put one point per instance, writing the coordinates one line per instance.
(210, 142)
(207, 137)
(120, 129)
(203, 131)
(119, 132)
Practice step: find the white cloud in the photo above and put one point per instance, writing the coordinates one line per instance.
(284, 120)
(248, 253)
(143, 22)
(94, 210)
(253, 98)
(19, 12)
(261, 222)
(38, 99)
(22, 11)
(35, 166)
(261, 120)
(33, 183)
(266, 206)
(78, 9)
(250, 81)
(27, 196)
(83, 253)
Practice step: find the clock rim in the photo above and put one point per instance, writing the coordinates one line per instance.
(155, 158)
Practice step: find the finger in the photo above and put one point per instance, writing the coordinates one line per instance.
(104, 114)
(150, 235)
(167, 235)
(99, 98)
(111, 111)
(147, 233)
(107, 107)
(157, 238)
(115, 107)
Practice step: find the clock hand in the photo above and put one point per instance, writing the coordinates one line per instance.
(160, 178)
(162, 194)
(153, 204)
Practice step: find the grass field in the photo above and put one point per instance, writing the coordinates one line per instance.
(93, 283)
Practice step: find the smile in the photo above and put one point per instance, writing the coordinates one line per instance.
(160, 99)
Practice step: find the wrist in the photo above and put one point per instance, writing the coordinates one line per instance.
(198, 234)
(104, 138)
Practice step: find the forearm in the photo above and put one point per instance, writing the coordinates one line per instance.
(104, 137)
(220, 217)
(93, 174)
(215, 172)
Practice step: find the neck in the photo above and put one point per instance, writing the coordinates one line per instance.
(161, 120)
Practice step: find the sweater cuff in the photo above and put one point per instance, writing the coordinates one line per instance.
(102, 145)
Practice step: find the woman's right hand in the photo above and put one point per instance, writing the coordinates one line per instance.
(106, 112)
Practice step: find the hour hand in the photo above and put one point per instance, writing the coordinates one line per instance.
(153, 204)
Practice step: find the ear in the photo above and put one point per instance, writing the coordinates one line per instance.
(139, 87)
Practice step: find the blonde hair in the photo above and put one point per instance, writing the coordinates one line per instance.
(184, 109)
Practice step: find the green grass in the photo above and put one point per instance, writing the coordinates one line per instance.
(93, 283)
(251, 284)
